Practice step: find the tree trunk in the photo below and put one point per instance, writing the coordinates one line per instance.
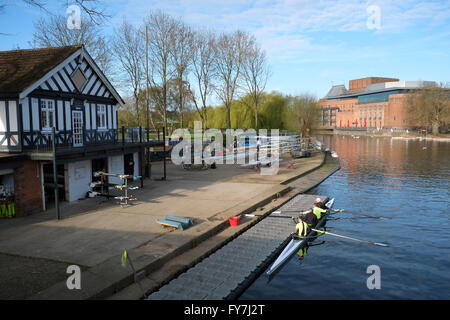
(435, 128)
(136, 100)
(180, 92)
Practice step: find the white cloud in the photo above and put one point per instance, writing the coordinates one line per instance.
(282, 26)
(300, 32)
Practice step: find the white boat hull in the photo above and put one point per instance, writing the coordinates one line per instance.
(294, 245)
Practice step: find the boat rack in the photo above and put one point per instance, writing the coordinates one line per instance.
(124, 187)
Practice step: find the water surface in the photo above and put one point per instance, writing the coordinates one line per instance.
(393, 191)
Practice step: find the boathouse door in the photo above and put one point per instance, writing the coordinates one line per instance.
(77, 125)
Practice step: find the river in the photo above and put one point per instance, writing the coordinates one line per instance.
(393, 191)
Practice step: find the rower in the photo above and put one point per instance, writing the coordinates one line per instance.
(301, 228)
(320, 204)
(318, 209)
(310, 218)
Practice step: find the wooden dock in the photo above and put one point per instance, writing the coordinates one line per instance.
(226, 273)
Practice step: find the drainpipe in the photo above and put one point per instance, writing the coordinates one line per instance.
(55, 174)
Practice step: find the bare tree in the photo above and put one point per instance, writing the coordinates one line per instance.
(430, 107)
(91, 8)
(301, 113)
(53, 32)
(203, 67)
(255, 73)
(181, 49)
(128, 49)
(161, 30)
(230, 54)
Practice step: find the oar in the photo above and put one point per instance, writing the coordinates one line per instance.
(345, 237)
(297, 211)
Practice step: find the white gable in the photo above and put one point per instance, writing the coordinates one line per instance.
(66, 78)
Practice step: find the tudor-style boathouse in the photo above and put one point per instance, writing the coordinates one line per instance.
(60, 89)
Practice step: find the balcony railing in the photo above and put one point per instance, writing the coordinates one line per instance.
(42, 141)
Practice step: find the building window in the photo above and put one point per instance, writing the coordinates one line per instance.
(394, 118)
(101, 116)
(47, 114)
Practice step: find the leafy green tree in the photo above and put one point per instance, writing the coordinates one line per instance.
(272, 111)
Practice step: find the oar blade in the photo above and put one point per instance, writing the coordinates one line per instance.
(381, 244)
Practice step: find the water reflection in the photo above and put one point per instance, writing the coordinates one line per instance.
(394, 191)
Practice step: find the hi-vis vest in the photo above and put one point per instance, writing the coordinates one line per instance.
(318, 212)
(302, 228)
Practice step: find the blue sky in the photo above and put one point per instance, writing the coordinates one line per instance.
(310, 44)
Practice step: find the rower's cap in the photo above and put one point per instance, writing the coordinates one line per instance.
(318, 200)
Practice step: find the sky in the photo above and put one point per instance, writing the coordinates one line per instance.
(310, 44)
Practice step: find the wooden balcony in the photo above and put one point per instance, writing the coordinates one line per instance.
(89, 144)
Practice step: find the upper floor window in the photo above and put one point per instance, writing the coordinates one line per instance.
(101, 116)
(47, 114)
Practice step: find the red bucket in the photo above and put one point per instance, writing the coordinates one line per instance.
(234, 221)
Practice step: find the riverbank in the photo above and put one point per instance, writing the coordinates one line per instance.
(94, 232)
(396, 134)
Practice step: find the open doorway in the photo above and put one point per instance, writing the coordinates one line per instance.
(49, 184)
(99, 165)
(128, 164)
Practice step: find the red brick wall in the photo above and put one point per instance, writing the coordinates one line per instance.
(28, 188)
(343, 118)
(394, 113)
(358, 85)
